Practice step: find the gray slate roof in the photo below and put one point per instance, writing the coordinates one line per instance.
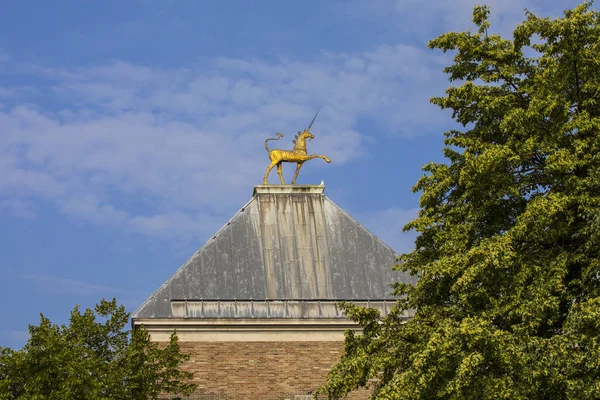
(289, 242)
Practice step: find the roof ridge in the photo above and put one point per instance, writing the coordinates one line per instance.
(185, 264)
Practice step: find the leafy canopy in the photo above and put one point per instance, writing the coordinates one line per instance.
(508, 298)
(92, 360)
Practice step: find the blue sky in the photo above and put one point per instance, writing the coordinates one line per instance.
(131, 130)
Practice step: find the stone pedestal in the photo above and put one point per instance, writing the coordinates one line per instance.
(291, 189)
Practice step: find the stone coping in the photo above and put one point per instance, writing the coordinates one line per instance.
(270, 309)
(288, 189)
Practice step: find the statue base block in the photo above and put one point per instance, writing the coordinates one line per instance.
(288, 189)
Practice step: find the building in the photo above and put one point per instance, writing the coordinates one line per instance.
(256, 305)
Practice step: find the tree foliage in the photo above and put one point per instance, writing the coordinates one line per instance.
(508, 298)
(92, 359)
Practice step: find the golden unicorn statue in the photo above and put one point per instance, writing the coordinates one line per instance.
(298, 155)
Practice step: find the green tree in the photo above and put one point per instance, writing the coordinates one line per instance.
(508, 298)
(92, 359)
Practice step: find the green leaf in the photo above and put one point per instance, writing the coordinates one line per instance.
(508, 246)
(92, 358)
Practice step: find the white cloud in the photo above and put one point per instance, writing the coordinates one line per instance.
(88, 207)
(457, 15)
(159, 150)
(170, 152)
(19, 91)
(424, 22)
(186, 144)
(19, 208)
(74, 287)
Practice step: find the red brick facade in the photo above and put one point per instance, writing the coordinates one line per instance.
(260, 370)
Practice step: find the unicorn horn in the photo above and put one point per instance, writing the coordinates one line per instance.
(308, 129)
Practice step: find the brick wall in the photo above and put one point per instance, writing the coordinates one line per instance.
(260, 370)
